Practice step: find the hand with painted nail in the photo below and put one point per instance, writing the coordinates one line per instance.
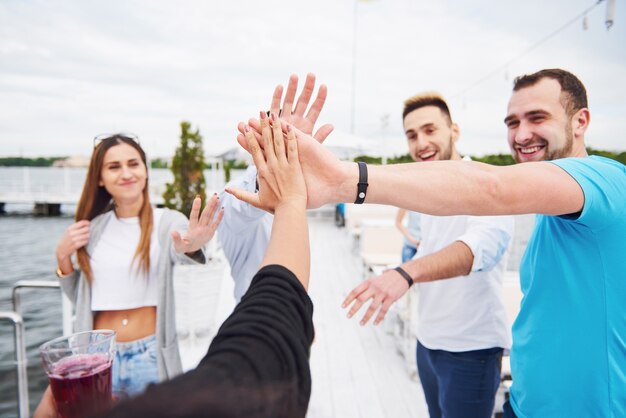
(383, 290)
(202, 226)
(281, 181)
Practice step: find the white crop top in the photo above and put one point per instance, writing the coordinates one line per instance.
(117, 284)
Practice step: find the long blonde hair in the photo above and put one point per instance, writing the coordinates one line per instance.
(95, 200)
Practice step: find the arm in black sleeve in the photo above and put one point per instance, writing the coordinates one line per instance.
(256, 366)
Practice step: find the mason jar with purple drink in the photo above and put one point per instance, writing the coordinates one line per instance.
(79, 371)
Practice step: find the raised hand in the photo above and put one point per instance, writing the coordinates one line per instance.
(324, 174)
(281, 181)
(383, 290)
(296, 116)
(201, 228)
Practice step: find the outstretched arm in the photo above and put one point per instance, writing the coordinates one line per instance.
(452, 261)
(441, 187)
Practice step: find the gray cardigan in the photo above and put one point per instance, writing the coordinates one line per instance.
(78, 290)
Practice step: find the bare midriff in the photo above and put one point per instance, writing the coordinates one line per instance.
(128, 324)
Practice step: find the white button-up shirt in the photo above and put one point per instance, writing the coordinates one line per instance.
(467, 312)
(244, 233)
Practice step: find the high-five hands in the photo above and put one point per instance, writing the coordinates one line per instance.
(323, 172)
(281, 181)
(201, 228)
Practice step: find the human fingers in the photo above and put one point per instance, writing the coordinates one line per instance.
(290, 95)
(75, 237)
(254, 125)
(268, 143)
(241, 140)
(292, 147)
(217, 220)
(209, 210)
(77, 230)
(278, 139)
(360, 301)
(354, 293)
(383, 311)
(376, 302)
(323, 132)
(80, 224)
(318, 104)
(276, 98)
(80, 240)
(254, 149)
(305, 95)
(195, 212)
(177, 241)
(245, 196)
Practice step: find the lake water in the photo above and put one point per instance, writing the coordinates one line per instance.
(27, 247)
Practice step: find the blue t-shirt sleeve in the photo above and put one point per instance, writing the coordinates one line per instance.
(603, 182)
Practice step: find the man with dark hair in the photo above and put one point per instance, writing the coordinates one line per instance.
(458, 270)
(572, 98)
(569, 340)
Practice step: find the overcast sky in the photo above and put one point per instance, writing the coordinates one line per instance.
(72, 69)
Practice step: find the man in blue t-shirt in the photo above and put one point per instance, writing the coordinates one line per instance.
(569, 339)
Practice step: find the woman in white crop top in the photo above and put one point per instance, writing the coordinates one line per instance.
(125, 252)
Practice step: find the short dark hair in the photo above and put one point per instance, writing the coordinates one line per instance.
(573, 92)
(429, 98)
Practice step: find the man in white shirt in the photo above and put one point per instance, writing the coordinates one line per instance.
(462, 326)
(244, 233)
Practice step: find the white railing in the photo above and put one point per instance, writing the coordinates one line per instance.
(63, 185)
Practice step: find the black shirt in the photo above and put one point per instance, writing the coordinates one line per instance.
(256, 366)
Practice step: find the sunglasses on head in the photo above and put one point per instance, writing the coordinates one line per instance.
(98, 139)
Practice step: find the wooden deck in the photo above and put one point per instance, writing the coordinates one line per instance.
(358, 372)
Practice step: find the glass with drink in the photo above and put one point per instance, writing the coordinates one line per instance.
(79, 371)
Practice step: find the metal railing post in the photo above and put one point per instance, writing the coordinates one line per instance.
(32, 284)
(20, 345)
(66, 305)
(20, 361)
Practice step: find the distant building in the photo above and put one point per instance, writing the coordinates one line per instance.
(76, 161)
(235, 154)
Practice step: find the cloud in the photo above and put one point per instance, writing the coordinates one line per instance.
(70, 70)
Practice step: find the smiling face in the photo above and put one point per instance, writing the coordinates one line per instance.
(539, 128)
(123, 174)
(431, 135)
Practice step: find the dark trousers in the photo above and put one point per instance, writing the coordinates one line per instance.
(508, 411)
(459, 384)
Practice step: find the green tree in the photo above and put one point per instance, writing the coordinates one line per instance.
(158, 163)
(496, 159)
(187, 167)
(227, 167)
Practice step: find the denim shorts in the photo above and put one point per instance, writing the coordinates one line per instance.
(408, 252)
(134, 367)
